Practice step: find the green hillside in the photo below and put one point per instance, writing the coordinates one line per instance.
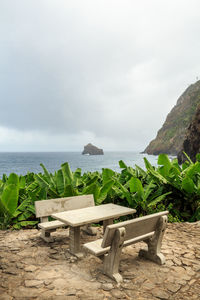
(170, 137)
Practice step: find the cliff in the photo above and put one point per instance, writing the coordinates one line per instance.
(92, 150)
(191, 144)
(170, 137)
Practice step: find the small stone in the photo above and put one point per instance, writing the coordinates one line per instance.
(167, 251)
(191, 282)
(30, 268)
(173, 287)
(189, 255)
(47, 282)
(127, 286)
(5, 296)
(196, 268)
(189, 271)
(33, 283)
(158, 293)
(185, 277)
(128, 274)
(50, 287)
(117, 294)
(179, 270)
(148, 285)
(169, 263)
(185, 288)
(53, 251)
(165, 270)
(181, 282)
(12, 271)
(71, 292)
(107, 286)
(138, 280)
(177, 261)
(186, 262)
(170, 279)
(59, 283)
(25, 292)
(19, 265)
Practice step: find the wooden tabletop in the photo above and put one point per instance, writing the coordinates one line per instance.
(79, 217)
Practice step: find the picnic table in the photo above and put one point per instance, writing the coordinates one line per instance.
(80, 217)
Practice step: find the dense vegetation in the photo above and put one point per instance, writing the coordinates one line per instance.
(167, 186)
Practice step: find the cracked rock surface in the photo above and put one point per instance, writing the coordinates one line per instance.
(33, 269)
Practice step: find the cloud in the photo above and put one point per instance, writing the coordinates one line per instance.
(106, 71)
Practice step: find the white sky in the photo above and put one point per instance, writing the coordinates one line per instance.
(100, 71)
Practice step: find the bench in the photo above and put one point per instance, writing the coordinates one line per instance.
(45, 208)
(149, 229)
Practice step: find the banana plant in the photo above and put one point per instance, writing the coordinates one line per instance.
(9, 195)
(147, 196)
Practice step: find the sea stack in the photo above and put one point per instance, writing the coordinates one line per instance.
(90, 149)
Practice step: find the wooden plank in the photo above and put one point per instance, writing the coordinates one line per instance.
(134, 228)
(138, 239)
(96, 248)
(94, 214)
(51, 225)
(44, 208)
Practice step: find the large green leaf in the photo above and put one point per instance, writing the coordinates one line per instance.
(26, 205)
(107, 175)
(188, 185)
(45, 185)
(60, 182)
(122, 164)
(70, 191)
(192, 170)
(136, 186)
(163, 160)
(157, 176)
(188, 158)
(77, 180)
(140, 171)
(68, 175)
(13, 179)
(22, 182)
(147, 190)
(21, 224)
(158, 199)
(9, 198)
(148, 164)
(104, 191)
(92, 189)
(48, 176)
(91, 181)
(125, 192)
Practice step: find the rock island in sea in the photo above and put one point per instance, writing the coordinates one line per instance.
(90, 149)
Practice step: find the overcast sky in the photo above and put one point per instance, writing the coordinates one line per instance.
(100, 71)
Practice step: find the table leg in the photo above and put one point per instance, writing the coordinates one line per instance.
(74, 240)
(106, 223)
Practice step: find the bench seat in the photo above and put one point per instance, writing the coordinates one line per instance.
(51, 225)
(96, 248)
(45, 208)
(149, 229)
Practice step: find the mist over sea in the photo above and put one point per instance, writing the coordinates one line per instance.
(23, 162)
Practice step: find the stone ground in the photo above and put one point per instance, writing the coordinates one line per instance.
(33, 269)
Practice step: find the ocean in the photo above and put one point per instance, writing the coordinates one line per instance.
(23, 162)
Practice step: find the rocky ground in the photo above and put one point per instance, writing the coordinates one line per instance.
(33, 269)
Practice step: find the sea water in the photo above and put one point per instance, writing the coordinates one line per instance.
(23, 162)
